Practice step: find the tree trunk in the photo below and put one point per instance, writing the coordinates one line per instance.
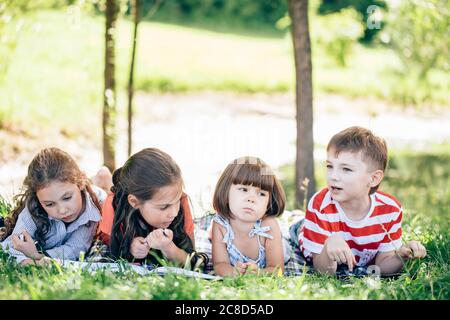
(304, 165)
(135, 12)
(109, 97)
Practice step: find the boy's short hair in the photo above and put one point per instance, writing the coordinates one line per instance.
(355, 139)
(249, 171)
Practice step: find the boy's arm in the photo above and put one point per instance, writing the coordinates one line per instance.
(323, 263)
(220, 258)
(388, 262)
(326, 249)
(335, 251)
(392, 261)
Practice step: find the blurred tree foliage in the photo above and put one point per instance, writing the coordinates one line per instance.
(419, 33)
(241, 12)
(338, 34)
(364, 13)
(9, 27)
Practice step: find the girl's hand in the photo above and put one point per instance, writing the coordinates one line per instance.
(246, 267)
(240, 267)
(41, 262)
(412, 250)
(338, 250)
(26, 246)
(159, 239)
(251, 267)
(44, 261)
(139, 248)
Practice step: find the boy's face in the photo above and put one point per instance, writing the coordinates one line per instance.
(349, 177)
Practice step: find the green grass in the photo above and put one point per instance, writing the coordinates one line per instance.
(419, 181)
(55, 76)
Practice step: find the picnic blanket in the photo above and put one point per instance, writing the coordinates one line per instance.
(290, 223)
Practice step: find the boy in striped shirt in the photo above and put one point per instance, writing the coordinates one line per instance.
(350, 222)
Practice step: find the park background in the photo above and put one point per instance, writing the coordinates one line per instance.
(215, 80)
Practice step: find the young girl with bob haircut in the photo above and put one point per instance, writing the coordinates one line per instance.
(246, 236)
(151, 215)
(57, 214)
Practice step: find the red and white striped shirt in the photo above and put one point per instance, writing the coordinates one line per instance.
(379, 231)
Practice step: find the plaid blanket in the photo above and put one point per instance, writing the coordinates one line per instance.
(290, 224)
(296, 264)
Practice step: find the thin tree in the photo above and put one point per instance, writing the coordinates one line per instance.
(135, 8)
(304, 164)
(109, 97)
(135, 12)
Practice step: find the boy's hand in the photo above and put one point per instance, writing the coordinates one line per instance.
(338, 250)
(412, 250)
(159, 239)
(26, 246)
(139, 248)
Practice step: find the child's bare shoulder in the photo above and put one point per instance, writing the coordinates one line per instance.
(270, 221)
(217, 227)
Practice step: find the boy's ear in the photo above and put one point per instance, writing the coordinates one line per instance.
(133, 201)
(376, 177)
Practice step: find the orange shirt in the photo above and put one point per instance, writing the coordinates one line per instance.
(105, 227)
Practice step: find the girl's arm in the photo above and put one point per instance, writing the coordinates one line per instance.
(24, 223)
(221, 260)
(274, 247)
(175, 254)
(162, 239)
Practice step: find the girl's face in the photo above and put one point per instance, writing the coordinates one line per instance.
(248, 203)
(61, 200)
(163, 207)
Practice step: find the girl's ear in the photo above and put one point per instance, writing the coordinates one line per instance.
(376, 177)
(133, 201)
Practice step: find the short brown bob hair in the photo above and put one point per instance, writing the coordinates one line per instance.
(357, 139)
(249, 171)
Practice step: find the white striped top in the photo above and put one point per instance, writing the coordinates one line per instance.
(61, 241)
(379, 231)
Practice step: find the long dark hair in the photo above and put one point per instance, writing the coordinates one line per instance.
(50, 164)
(142, 175)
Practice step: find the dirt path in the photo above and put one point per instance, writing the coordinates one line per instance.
(203, 132)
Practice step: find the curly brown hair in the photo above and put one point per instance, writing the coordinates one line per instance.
(50, 164)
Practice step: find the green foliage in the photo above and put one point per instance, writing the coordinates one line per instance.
(364, 15)
(5, 207)
(418, 32)
(337, 35)
(248, 13)
(33, 94)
